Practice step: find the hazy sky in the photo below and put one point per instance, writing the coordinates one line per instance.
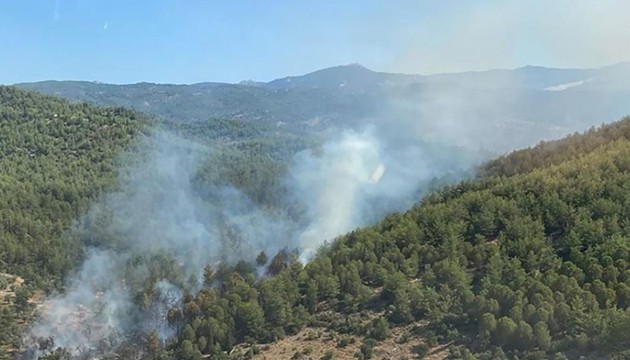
(184, 41)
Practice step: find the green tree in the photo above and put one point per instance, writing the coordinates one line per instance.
(541, 336)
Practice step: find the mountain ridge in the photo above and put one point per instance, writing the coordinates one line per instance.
(522, 105)
(351, 66)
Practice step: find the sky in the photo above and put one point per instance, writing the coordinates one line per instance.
(188, 41)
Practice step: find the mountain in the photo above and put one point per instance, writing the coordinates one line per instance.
(528, 260)
(521, 106)
(355, 77)
(349, 78)
(56, 157)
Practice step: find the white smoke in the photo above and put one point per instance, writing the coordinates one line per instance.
(93, 309)
(353, 179)
(358, 177)
(332, 184)
(168, 296)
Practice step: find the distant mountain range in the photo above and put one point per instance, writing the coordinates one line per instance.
(496, 109)
(358, 77)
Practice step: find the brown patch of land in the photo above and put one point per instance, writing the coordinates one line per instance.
(8, 292)
(320, 343)
(7, 296)
(311, 343)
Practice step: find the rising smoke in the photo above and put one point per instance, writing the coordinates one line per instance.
(161, 229)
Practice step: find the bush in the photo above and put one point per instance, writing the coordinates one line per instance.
(367, 348)
(343, 342)
(421, 350)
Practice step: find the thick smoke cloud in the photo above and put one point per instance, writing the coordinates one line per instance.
(475, 116)
(332, 184)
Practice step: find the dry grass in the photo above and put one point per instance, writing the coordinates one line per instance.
(311, 343)
(8, 293)
(315, 343)
(6, 298)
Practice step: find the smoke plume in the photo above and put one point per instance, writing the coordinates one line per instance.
(157, 233)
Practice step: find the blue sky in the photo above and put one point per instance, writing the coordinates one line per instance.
(185, 41)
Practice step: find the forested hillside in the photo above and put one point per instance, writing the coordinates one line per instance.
(315, 180)
(56, 158)
(250, 157)
(295, 111)
(59, 159)
(532, 264)
(527, 260)
(555, 152)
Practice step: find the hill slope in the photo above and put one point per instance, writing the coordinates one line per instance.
(529, 265)
(56, 159)
(199, 102)
(528, 260)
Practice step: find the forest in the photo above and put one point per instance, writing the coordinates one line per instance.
(530, 264)
(56, 158)
(526, 260)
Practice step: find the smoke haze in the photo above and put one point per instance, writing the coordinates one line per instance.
(162, 228)
(508, 34)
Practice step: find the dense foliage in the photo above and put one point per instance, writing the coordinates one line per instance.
(56, 157)
(529, 260)
(299, 110)
(250, 157)
(530, 265)
(555, 152)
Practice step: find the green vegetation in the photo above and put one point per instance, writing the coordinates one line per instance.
(56, 158)
(300, 111)
(252, 158)
(527, 261)
(555, 152)
(530, 265)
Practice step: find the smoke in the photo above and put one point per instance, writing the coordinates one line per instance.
(332, 183)
(359, 176)
(503, 110)
(93, 308)
(451, 114)
(168, 296)
(161, 231)
(150, 241)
